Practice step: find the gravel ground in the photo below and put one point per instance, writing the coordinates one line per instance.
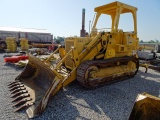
(110, 102)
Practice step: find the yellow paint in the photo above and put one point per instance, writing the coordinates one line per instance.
(113, 71)
(100, 45)
(62, 52)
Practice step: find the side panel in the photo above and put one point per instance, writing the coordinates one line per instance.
(79, 43)
(121, 44)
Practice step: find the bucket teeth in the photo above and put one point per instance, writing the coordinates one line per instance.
(23, 107)
(19, 93)
(20, 97)
(22, 102)
(10, 83)
(15, 87)
(18, 89)
(14, 83)
(10, 86)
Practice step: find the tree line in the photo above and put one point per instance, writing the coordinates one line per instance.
(59, 39)
(150, 41)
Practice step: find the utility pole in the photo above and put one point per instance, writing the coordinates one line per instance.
(89, 26)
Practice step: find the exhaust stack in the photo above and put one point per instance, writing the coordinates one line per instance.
(83, 31)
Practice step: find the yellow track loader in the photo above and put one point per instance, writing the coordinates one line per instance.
(103, 57)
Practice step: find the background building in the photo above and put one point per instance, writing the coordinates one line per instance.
(33, 35)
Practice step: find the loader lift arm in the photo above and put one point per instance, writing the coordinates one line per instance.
(46, 83)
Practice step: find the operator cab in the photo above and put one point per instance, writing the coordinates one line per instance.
(115, 9)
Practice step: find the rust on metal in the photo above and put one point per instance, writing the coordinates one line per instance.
(146, 107)
(19, 93)
(32, 87)
(20, 97)
(86, 82)
(23, 107)
(21, 102)
(15, 87)
(13, 84)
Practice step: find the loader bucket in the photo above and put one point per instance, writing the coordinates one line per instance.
(32, 89)
(146, 107)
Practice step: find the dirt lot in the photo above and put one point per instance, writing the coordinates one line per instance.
(110, 102)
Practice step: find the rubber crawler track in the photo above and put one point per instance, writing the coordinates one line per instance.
(81, 71)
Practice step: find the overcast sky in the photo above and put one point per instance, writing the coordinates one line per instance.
(64, 17)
